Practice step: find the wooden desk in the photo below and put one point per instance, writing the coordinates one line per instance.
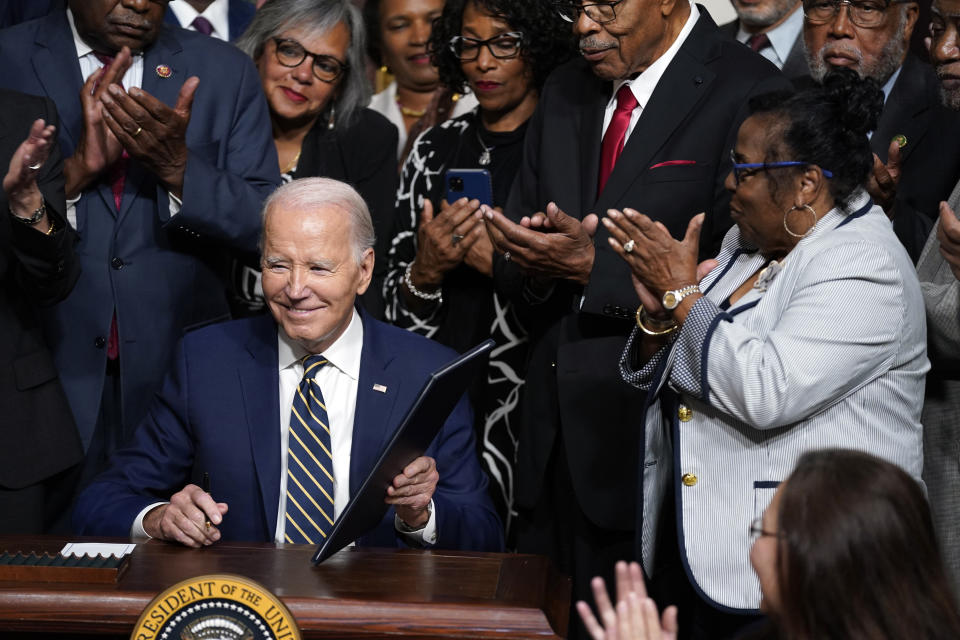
(358, 593)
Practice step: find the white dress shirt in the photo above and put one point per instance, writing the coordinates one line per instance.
(217, 13)
(643, 85)
(338, 382)
(89, 64)
(782, 38)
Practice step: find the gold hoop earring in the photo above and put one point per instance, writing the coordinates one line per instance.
(786, 227)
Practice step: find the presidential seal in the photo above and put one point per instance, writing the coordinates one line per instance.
(216, 607)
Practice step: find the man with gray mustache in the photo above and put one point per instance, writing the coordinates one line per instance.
(911, 174)
(645, 118)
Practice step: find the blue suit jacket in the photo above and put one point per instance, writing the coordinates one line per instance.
(239, 16)
(218, 412)
(159, 272)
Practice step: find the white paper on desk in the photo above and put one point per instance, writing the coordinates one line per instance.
(97, 549)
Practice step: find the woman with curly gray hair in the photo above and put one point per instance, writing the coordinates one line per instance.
(310, 55)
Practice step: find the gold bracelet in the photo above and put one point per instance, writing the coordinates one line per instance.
(642, 314)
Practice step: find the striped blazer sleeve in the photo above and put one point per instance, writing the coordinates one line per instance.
(823, 343)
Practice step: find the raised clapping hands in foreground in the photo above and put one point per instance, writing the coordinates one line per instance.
(635, 615)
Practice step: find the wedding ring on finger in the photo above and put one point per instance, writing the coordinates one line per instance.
(628, 246)
(136, 133)
(35, 166)
(455, 240)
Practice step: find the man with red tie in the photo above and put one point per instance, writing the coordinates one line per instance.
(644, 119)
(168, 155)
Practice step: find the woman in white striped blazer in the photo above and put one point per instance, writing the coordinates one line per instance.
(809, 332)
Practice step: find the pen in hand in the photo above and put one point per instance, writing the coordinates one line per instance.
(206, 489)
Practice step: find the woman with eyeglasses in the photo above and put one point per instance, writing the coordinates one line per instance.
(808, 331)
(414, 99)
(442, 280)
(310, 55)
(845, 550)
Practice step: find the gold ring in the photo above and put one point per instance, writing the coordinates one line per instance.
(137, 132)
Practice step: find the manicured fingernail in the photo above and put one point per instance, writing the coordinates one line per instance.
(607, 222)
(114, 89)
(613, 213)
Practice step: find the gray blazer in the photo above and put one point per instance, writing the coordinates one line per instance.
(831, 353)
(941, 407)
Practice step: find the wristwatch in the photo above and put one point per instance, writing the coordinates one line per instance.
(671, 299)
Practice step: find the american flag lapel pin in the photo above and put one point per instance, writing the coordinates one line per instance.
(379, 387)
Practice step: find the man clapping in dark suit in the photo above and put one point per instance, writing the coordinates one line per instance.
(659, 82)
(289, 412)
(169, 154)
(37, 267)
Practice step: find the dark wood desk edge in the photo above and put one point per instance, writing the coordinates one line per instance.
(20, 611)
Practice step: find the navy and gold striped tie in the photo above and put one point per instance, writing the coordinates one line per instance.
(310, 514)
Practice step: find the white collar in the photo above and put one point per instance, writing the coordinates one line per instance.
(344, 353)
(643, 85)
(82, 47)
(218, 13)
(783, 36)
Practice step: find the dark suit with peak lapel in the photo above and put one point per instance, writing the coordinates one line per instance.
(35, 270)
(239, 16)
(154, 269)
(914, 110)
(583, 425)
(795, 66)
(218, 412)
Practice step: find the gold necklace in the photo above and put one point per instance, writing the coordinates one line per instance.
(293, 165)
(411, 113)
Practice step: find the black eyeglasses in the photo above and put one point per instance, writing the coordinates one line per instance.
(757, 530)
(502, 47)
(743, 170)
(599, 12)
(868, 14)
(291, 53)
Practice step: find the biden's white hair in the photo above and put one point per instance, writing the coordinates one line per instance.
(319, 193)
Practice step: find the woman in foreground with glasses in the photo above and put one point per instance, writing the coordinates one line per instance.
(808, 332)
(844, 551)
(441, 280)
(310, 55)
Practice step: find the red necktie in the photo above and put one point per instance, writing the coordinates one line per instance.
(117, 175)
(758, 42)
(616, 133)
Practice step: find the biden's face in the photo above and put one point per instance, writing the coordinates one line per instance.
(109, 25)
(311, 275)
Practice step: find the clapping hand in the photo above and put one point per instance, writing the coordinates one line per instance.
(635, 615)
(150, 131)
(20, 183)
(884, 179)
(98, 147)
(948, 234)
(444, 239)
(549, 245)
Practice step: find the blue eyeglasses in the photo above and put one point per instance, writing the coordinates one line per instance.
(747, 169)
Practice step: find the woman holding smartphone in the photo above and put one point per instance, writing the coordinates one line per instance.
(441, 280)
